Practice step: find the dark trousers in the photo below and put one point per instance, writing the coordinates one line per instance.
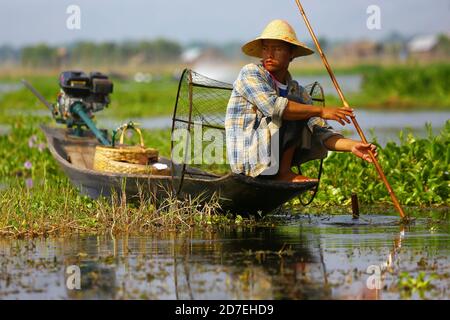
(307, 145)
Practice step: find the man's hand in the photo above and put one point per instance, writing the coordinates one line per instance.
(361, 150)
(338, 114)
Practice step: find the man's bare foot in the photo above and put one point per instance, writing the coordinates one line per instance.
(292, 177)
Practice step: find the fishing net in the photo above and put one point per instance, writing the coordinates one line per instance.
(198, 148)
(198, 128)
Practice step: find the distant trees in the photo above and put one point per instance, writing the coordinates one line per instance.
(100, 54)
(444, 44)
(137, 53)
(39, 55)
(8, 54)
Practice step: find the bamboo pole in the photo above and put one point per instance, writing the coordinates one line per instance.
(345, 103)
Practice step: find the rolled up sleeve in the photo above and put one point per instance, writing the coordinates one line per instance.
(324, 131)
(278, 110)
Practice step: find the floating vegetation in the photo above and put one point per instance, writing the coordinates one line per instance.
(409, 284)
(418, 170)
(46, 203)
(59, 209)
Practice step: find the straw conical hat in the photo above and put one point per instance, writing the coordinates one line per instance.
(276, 30)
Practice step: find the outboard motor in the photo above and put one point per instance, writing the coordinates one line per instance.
(80, 96)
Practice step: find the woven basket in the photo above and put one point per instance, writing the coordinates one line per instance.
(131, 154)
(102, 163)
(127, 159)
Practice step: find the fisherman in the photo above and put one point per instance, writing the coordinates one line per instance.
(271, 124)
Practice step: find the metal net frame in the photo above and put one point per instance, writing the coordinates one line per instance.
(200, 105)
(315, 90)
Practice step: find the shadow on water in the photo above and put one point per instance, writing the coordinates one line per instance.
(304, 258)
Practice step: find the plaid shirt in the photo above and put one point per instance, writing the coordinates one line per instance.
(254, 116)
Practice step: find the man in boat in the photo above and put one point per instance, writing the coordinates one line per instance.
(271, 124)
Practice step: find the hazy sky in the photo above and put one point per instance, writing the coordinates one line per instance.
(31, 21)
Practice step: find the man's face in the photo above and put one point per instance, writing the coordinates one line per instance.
(276, 55)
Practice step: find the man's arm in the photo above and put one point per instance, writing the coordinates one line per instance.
(299, 111)
(358, 148)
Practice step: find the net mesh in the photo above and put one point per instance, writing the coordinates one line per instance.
(208, 98)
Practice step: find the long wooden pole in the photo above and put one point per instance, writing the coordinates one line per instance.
(345, 103)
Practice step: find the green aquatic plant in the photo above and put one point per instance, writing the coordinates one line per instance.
(417, 169)
(130, 99)
(426, 85)
(409, 284)
(58, 208)
(45, 202)
(407, 86)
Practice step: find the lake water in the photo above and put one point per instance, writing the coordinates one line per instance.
(349, 83)
(324, 257)
(9, 87)
(385, 125)
(306, 257)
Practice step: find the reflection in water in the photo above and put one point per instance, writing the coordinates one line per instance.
(264, 264)
(303, 259)
(380, 274)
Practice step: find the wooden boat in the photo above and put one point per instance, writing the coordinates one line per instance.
(236, 193)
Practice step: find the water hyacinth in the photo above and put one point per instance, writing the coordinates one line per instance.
(32, 141)
(416, 169)
(28, 164)
(41, 146)
(29, 183)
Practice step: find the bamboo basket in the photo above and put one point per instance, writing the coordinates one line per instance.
(102, 163)
(130, 154)
(127, 159)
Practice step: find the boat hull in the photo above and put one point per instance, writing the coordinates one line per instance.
(236, 193)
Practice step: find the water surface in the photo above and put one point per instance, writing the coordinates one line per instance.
(385, 125)
(320, 257)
